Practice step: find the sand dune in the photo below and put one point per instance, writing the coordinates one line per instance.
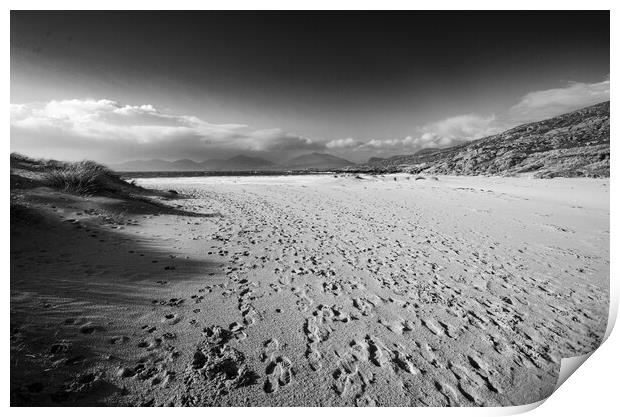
(311, 290)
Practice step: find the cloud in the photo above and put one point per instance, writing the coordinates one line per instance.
(450, 131)
(442, 133)
(547, 103)
(458, 129)
(117, 130)
(391, 143)
(111, 131)
(342, 143)
(279, 140)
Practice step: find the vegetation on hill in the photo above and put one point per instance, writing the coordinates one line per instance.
(34, 179)
(570, 145)
(83, 177)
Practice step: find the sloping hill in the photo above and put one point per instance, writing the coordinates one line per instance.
(318, 160)
(85, 178)
(243, 162)
(236, 163)
(570, 145)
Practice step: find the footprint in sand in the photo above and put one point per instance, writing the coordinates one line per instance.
(285, 281)
(150, 344)
(398, 326)
(316, 333)
(404, 362)
(171, 319)
(330, 314)
(334, 288)
(117, 340)
(448, 392)
(58, 348)
(303, 300)
(124, 372)
(484, 372)
(269, 349)
(90, 328)
(278, 373)
(364, 305)
(433, 326)
(469, 383)
(278, 369)
(377, 352)
(237, 329)
(349, 380)
(249, 314)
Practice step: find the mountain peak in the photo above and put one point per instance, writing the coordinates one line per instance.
(253, 159)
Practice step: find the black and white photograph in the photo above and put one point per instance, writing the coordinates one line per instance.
(310, 208)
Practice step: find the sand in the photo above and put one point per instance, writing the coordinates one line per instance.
(311, 291)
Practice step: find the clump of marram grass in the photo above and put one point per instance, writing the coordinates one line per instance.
(85, 177)
(114, 217)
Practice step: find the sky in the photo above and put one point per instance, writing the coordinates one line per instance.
(116, 86)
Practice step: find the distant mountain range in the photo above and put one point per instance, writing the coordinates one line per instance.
(237, 163)
(318, 161)
(569, 145)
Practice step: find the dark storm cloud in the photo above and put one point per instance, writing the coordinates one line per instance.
(355, 83)
(337, 52)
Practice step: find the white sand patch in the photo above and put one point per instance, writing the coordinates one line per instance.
(323, 290)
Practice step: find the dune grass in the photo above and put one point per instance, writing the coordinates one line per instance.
(85, 177)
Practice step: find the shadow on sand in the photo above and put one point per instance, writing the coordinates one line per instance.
(63, 269)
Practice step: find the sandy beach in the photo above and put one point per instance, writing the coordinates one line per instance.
(315, 290)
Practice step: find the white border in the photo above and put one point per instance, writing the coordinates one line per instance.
(312, 5)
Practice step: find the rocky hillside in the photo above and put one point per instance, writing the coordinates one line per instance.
(570, 145)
